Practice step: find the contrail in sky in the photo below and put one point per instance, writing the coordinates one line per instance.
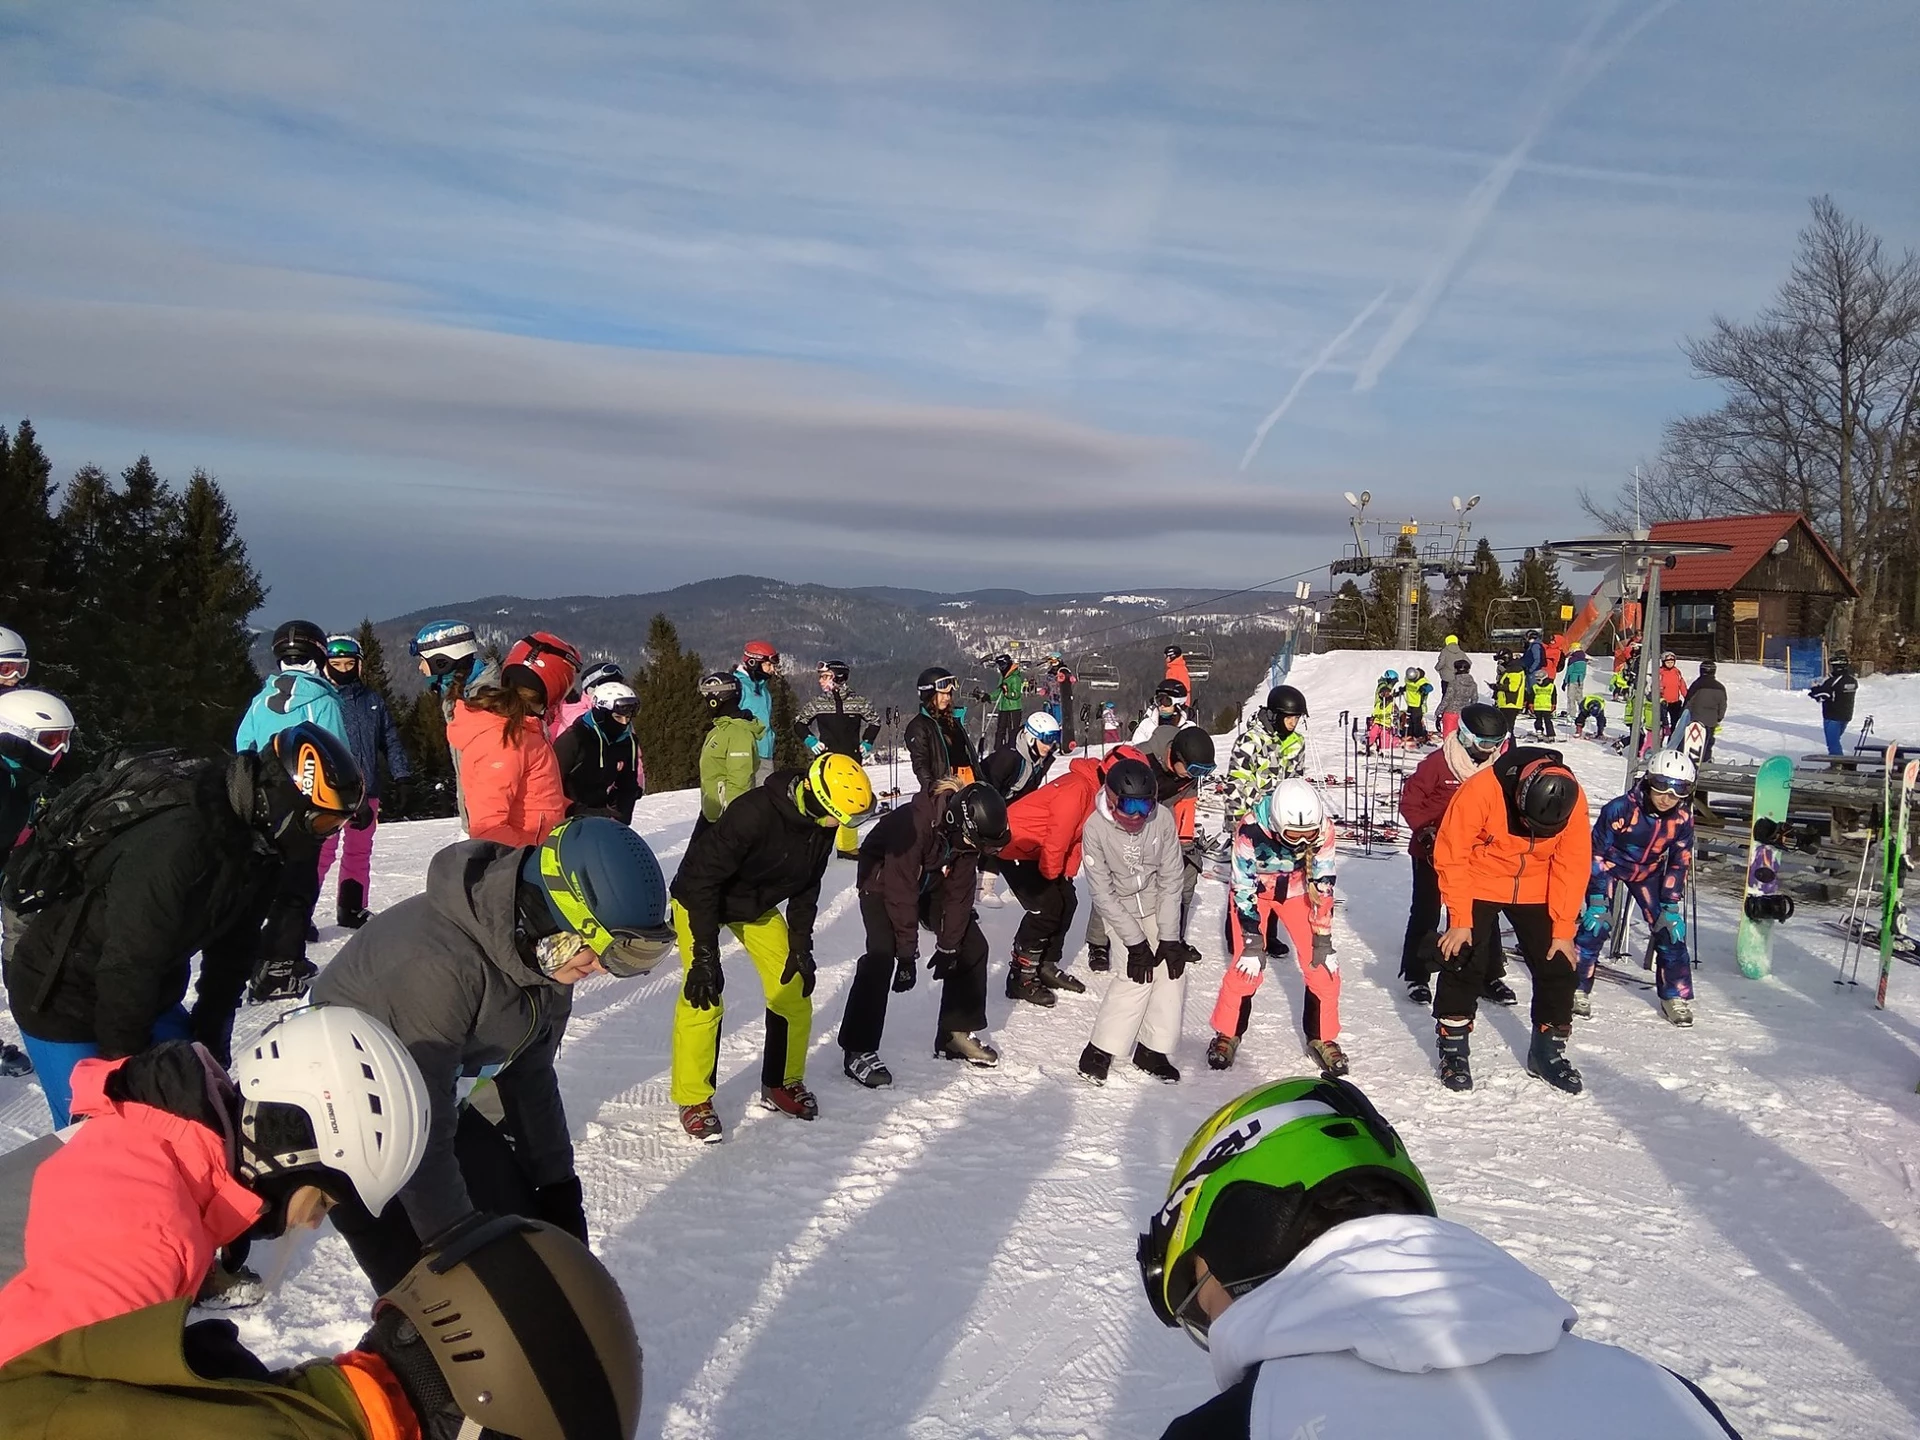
(1580, 66)
(1314, 366)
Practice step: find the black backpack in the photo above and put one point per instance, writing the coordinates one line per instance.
(128, 786)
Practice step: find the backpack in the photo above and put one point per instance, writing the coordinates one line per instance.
(129, 785)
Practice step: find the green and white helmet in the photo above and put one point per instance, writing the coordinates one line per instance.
(1261, 1179)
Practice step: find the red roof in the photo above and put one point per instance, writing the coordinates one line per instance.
(1751, 537)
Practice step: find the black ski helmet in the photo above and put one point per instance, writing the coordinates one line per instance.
(1193, 745)
(1174, 652)
(1462, 666)
(300, 642)
(1545, 794)
(1841, 662)
(1484, 726)
(1173, 689)
(720, 689)
(930, 677)
(975, 818)
(1003, 663)
(838, 669)
(1284, 700)
(1707, 667)
(1130, 779)
(309, 781)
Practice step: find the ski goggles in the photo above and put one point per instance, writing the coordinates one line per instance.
(1299, 839)
(51, 742)
(1198, 769)
(624, 951)
(1481, 744)
(625, 707)
(1136, 807)
(946, 686)
(1679, 789)
(14, 670)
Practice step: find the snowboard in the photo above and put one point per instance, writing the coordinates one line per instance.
(1766, 906)
(1692, 738)
(1893, 910)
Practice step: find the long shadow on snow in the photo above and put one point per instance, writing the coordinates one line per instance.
(1788, 1238)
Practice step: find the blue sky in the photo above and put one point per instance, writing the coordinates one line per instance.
(583, 297)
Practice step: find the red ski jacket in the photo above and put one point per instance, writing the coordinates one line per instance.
(1046, 825)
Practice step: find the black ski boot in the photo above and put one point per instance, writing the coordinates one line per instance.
(14, 1061)
(959, 1045)
(1455, 1071)
(1221, 1050)
(1154, 1063)
(1499, 992)
(1419, 992)
(1054, 978)
(866, 1068)
(313, 933)
(1547, 1058)
(1024, 983)
(1093, 1064)
(353, 912)
(1099, 959)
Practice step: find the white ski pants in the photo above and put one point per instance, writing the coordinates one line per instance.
(1145, 1014)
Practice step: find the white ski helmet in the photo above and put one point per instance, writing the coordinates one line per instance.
(1292, 811)
(13, 656)
(1042, 726)
(330, 1097)
(36, 727)
(614, 695)
(1671, 770)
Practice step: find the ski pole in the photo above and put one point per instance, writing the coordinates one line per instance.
(1853, 922)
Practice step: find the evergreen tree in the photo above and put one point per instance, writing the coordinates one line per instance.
(1484, 587)
(789, 750)
(423, 730)
(373, 665)
(34, 594)
(673, 718)
(214, 588)
(1347, 618)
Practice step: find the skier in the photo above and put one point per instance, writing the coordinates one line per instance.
(547, 1347)
(917, 868)
(452, 663)
(1644, 840)
(1510, 690)
(1131, 847)
(1383, 720)
(1008, 698)
(14, 660)
(1673, 693)
(1541, 701)
(372, 734)
(1513, 843)
(1190, 759)
(1706, 704)
(769, 848)
(1064, 683)
(1283, 863)
(509, 776)
(1449, 658)
(1176, 659)
(1459, 691)
(579, 700)
(1533, 659)
(1423, 800)
(1594, 709)
(36, 732)
(601, 772)
(174, 1161)
(936, 738)
(1165, 720)
(839, 721)
(137, 867)
(1109, 724)
(475, 975)
(1017, 772)
(1835, 693)
(1299, 1244)
(759, 664)
(731, 751)
(1272, 747)
(1575, 681)
(1419, 690)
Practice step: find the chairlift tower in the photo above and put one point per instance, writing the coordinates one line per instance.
(1410, 550)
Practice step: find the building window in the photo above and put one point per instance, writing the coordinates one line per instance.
(1688, 617)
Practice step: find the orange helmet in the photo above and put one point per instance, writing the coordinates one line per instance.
(326, 784)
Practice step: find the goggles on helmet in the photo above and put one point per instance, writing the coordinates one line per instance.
(623, 952)
(1135, 807)
(14, 669)
(945, 684)
(1300, 836)
(51, 742)
(1483, 744)
(1679, 789)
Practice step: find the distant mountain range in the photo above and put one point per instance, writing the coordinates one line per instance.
(889, 634)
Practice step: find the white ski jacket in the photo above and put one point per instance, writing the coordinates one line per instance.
(1404, 1325)
(1132, 877)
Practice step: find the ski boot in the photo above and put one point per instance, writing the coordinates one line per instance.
(1456, 1071)
(1331, 1058)
(1678, 1011)
(792, 1098)
(866, 1068)
(1155, 1064)
(353, 912)
(1419, 992)
(1221, 1050)
(282, 980)
(14, 1061)
(1278, 949)
(1582, 1005)
(1054, 978)
(1094, 1063)
(313, 933)
(990, 892)
(1547, 1058)
(1499, 992)
(1099, 959)
(1024, 983)
(959, 1045)
(701, 1123)
(230, 1286)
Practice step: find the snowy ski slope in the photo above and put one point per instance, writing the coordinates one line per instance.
(954, 1257)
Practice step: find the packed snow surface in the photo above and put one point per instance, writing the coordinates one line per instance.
(954, 1257)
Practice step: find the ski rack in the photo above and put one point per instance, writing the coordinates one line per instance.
(1377, 777)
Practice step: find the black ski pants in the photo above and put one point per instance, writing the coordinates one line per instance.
(1050, 906)
(963, 994)
(1066, 718)
(1423, 919)
(283, 939)
(1457, 995)
(386, 1246)
(1006, 725)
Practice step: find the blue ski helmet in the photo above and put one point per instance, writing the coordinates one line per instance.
(602, 882)
(1390, 675)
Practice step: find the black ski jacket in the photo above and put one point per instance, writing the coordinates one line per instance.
(937, 746)
(599, 772)
(761, 853)
(905, 859)
(1015, 771)
(1835, 694)
(1707, 701)
(837, 724)
(101, 967)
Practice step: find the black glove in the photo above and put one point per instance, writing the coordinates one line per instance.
(704, 980)
(799, 965)
(396, 797)
(943, 964)
(562, 1205)
(1140, 963)
(905, 972)
(1322, 949)
(1173, 955)
(363, 817)
(395, 1341)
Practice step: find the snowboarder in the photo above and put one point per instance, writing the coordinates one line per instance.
(36, 732)
(1459, 691)
(1165, 720)
(174, 1161)
(452, 663)
(1513, 843)
(1673, 693)
(1272, 747)
(1706, 703)
(759, 664)
(1383, 720)
(1008, 698)
(372, 734)
(1423, 800)
(839, 721)
(101, 937)
(1835, 693)
(1644, 840)
(1283, 863)
(731, 751)
(1299, 1243)
(936, 738)
(1419, 690)
(509, 775)
(14, 660)
(1541, 701)
(601, 769)
(917, 868)
(475, 977)
(769, 848)
(1190, 760)
(1131, 848)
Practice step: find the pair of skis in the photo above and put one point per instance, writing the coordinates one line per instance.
(1893, 854)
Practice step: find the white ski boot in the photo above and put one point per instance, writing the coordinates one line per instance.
(1679, 1011)
(1582, 1005)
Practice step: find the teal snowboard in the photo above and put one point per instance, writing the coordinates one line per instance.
(1766, 906)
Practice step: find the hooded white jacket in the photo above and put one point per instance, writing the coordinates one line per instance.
(1133, 877)
(1404, 1325)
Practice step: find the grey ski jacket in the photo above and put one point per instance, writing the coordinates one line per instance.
(1130, 877)
(1458, 692)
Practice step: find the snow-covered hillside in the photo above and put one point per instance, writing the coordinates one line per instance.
(954, 1257)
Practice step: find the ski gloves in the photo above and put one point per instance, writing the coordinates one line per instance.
(905, 972)
(704, 981)
(943, 964)
(1322, 949)
(1142, 958)
(800, 966)
(1673, 922)
(563, 1206)
(1140, 962)
(1174, 954)
(409, 1357)
(1251, 962)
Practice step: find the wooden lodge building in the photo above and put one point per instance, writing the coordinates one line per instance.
(1779, 585)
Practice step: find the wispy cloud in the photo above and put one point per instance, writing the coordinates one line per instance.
(1313, 368)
